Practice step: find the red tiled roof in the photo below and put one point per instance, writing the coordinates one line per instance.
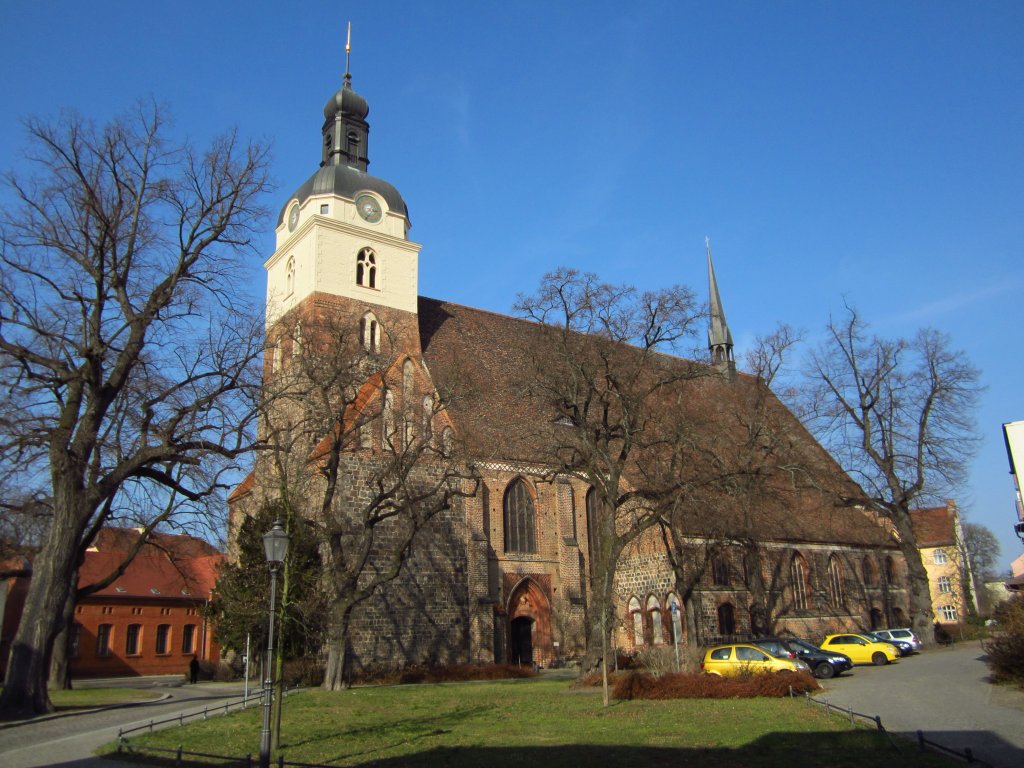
(934, 527)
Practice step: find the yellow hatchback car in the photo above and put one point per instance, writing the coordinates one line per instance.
(737, 658)
(863, 650)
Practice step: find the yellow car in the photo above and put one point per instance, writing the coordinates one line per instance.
(863, 650)
(737, 658)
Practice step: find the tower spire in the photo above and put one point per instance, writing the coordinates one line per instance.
(347, 78)
(719, 336)
(345, 130)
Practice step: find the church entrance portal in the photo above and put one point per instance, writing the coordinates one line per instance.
(521, 651)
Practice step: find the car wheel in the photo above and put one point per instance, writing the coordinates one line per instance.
(824, 670)
(878, 659)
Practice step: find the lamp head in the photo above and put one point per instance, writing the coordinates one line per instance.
(275, 544)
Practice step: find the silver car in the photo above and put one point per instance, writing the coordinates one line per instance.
(906, 635)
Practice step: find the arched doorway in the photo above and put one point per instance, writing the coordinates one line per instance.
(726, 619)
(875, 618)
(521, 647)
(529, 625)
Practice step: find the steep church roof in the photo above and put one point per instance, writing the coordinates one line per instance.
(485, 358)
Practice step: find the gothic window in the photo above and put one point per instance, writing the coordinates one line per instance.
(408, 381)
(675, 612)
(835, 581)
(939, 556)
(428, 413)
(289, 280)
(519, 518)
(366, 268)
(654, 611)
(388, 422)
(637, 617)
(945, 585)
(447, 441)
(297, 341)
(720, 571)
(949, 612)
(890, 571)
(870, 571)
(369, 332)
(798, 578)
(275, 358)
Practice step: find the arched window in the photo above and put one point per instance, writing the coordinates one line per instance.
(675, 612)
(798, 578)
(366, 268)
(637, 617)
(369, 332)
(388, 422)
(428, 415)
(519, 518)
(447, 441)
(890, 572)
(654, 611)
(275, 360)
(297, 341)
(870, 571)
(726, 619)
(289, 279)
(408, 373)
(835, 581)
(408, 421)
(720, 571)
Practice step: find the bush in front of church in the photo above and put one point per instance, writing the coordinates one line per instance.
(697, 685)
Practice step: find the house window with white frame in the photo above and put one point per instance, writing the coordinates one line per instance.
(949, 612)
(945, 585)
(939, 555)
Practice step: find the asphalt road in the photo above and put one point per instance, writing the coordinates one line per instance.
(945, 693)
(69, 739)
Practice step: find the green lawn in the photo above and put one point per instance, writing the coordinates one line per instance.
(543, 722)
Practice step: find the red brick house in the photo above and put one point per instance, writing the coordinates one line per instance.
(148, 621)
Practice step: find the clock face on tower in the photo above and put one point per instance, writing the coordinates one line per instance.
(369, 208)
(293, 218)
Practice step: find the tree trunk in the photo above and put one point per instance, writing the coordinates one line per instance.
(922, 615)
(60, 664)
(336, 677)
(28, 667)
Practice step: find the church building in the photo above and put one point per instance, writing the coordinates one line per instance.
(502, 576)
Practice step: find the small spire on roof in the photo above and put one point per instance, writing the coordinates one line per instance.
(719, 336)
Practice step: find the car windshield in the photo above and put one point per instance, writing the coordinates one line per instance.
(804, 645)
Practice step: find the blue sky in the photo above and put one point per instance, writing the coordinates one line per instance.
(863, 151)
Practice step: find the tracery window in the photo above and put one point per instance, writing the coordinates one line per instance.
(835, 581)
(369, 332)
(388, 422)
(638, 621)
(720, 571)
(654, 611)
(520, 535)
(366, 268)
(798, 578)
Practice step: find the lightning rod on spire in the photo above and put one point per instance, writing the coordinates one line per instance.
(348, 49)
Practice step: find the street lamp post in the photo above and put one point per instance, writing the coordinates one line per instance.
(676, 623)
(275, 544)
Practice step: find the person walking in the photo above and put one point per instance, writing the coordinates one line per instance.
(193, 670)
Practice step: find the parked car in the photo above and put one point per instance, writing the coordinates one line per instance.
(905, 634)
(861, 649)
(902, 646)
(737, 658)
(823, 664)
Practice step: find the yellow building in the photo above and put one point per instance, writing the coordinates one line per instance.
(940, 538)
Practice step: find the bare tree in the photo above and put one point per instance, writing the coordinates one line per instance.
(120, 340)
(981, 553)
(602, 375)
(356, 442)
(898, 416)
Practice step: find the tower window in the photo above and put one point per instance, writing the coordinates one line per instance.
(290, 277)
(325, 209)
(366, 268)
(369, 332)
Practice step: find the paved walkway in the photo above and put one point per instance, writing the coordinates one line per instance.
(69, 739)
(945, 693)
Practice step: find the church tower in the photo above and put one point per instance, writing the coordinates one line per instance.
(719, 335)
(342, 243)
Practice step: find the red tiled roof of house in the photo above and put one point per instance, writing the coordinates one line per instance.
(152, 573)
(934, 526)
(485, 358)
(243, 487)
